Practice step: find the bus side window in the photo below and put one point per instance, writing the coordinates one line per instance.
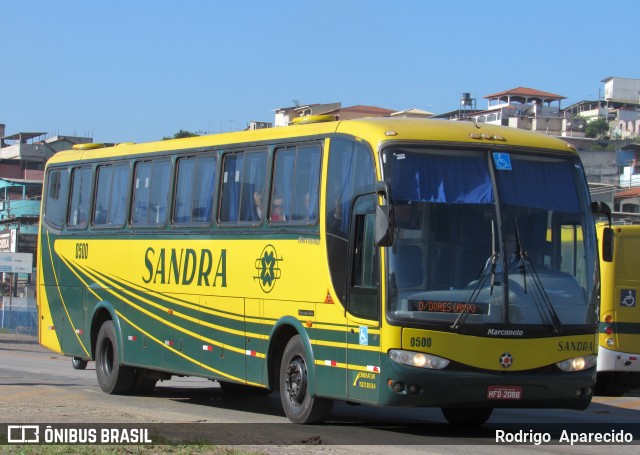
(151, 193)
(119, 192)
(296, 184)
(253, 182)
(56, 201)
(243, 183)
(195, 188)
(204, 190)
(109, 208)
(350, 170)
(80, 197)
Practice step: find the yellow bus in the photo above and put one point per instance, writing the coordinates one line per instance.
(392, 262)
(619, 337)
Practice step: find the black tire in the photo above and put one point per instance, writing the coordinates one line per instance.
(233, 388)
(144, 383)
(113, 377)
(608, 384)
(298, 404)
(467, 416)
(78, 363)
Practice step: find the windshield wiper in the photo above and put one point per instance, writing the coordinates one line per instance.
(541, 298)
(490, 264)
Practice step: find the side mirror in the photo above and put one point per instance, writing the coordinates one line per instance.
(607, 244)
(607, 233)
(385, 228)
(602, 208)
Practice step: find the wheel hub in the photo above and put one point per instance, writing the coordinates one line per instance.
(296, 380)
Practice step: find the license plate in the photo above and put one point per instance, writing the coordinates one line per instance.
(504, 392)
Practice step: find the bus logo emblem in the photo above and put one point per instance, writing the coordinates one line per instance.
(506, 360)
(267, 266)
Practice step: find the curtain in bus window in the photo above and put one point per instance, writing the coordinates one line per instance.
(119, 189)
(141, 193)
(184, 189)
(284, 188)
(304, 184)
(540, 184)
(354, 179)
(80, 193)
(346, 191)
(252, 182)
(297, 176)
(101, 207)
(55, 208)
(282, 184)
(204, 188)
(159, 195)
(441, 179)
(231, 188)
(314, 184)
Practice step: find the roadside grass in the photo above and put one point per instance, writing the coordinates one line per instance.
(182, 449)
(162, 445)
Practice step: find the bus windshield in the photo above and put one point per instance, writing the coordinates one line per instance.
(487, 237)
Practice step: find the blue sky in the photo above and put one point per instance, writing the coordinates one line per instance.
(138, 70)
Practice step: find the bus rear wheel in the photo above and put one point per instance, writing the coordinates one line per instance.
(467, 416)
(144, 382)
(298, 404)
(113, 377)
(609, 384)
(79, 363)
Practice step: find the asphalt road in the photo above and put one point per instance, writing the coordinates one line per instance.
(40, 387)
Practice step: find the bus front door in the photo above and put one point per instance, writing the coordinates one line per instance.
(363, 305)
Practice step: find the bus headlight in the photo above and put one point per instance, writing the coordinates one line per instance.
(578, 363)
(418, 359)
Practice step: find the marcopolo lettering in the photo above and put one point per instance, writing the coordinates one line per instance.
(185, 266)
(505, 333)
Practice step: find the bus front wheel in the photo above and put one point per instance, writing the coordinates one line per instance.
(113, 377)
(467, 416)
(298, 404)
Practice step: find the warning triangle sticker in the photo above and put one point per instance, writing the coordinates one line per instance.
(329, 299)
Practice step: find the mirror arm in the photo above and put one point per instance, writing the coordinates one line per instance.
(385, 228)
(602, 208)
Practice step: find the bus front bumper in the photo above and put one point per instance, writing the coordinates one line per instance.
(409, 386)
(609, 360)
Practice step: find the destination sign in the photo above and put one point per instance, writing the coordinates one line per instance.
(439, 306)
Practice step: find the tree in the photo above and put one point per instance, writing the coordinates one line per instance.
(598, 129)
(181, 134)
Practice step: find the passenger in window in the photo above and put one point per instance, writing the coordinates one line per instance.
(100, 216)
(257, 199)
(277, 209)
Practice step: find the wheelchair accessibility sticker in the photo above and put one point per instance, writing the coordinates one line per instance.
(364, 336)
(503, 161)
(628, 297)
